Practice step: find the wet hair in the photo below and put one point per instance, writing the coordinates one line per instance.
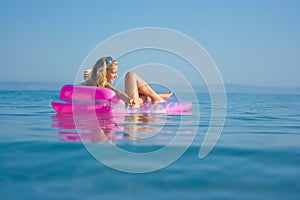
(98, 73)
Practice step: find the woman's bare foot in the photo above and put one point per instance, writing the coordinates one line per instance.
(157, 99)
(160, 98)
(165, 95)
(135, 105)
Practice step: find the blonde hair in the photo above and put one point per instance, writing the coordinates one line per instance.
(98, 73)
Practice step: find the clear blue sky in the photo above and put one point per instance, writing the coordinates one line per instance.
(252, 42)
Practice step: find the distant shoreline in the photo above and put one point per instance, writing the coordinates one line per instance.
(236, 88)
(230, 88)
(31, 85)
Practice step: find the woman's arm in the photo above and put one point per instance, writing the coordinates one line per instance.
(122, 95)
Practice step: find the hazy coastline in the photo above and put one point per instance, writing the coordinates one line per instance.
(230, 88)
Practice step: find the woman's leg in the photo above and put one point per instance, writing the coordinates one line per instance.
(131, 88)
(134, 86)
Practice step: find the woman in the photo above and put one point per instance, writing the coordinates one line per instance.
(137, 91)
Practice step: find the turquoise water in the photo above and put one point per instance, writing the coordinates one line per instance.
(256, 157)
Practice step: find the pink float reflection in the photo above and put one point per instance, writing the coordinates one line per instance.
(107, 127)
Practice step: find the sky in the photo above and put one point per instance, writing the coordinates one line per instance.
(251, 42)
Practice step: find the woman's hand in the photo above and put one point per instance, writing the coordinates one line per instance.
(129, 103)
(87, 74)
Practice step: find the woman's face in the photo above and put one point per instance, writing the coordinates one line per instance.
(111, 73)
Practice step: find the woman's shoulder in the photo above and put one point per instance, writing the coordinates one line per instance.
(108, 85)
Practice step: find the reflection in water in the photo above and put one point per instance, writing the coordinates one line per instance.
(106, 128)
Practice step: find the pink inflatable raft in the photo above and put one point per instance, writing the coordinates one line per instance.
(86, 99)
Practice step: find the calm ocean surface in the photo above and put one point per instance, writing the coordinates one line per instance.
(256, 157)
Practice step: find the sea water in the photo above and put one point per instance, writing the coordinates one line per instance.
(44, 156)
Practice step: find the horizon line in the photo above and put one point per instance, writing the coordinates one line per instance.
(193, 84)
